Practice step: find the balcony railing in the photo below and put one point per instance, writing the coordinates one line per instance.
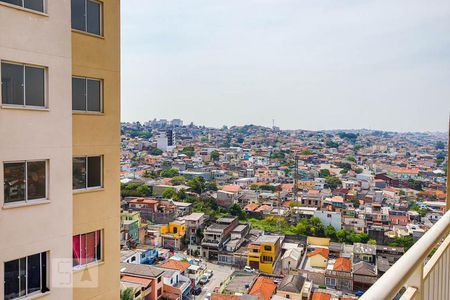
(420, 280)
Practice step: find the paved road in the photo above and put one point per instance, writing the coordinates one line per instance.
(220, 273)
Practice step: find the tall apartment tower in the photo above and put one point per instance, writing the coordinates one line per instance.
(59, 149)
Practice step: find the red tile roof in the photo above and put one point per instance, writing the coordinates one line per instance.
(322, 251)
(321, 296)
(264, 288)
(232, 188)
(343, 264)
(175, 265)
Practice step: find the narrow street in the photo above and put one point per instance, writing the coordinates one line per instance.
(220, 273)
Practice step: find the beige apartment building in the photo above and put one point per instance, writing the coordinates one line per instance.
(59, 149)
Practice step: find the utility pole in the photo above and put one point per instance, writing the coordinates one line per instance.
(295, 189)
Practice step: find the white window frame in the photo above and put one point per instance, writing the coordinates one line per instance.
(40, 271)
(44, 6)
(24, 105)
(46, 161)
(97, 260)
(87, 172)
(86, 19)
(86, 95)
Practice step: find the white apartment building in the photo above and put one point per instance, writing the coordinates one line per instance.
(35, 147)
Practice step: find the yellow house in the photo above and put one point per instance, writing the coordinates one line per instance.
(264, 252)
(306, 184)
(318, 258)
(172, 234)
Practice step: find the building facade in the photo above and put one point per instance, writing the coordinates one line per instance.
(59, 150)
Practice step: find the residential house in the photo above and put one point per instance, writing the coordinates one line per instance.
(148, 276)
(293, 287)
(263, 288)
(194, 222)
(172, 235)
(175, 285)
(338, 274)
(364, 275)
(263, 253)
(364, 252)
(216, 235)
(290, 260)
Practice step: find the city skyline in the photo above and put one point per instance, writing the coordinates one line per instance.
(385, 67)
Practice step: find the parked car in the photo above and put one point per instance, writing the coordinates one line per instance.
(208, 273)
(208, 296)
(249, 269)
(197, 290)
(204, 279)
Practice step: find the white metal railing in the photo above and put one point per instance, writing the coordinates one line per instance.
(430, 281)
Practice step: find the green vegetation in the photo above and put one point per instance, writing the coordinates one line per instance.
(405, 242)
(188, 151)
(333, 182)
(306, 152)
(323, 173)
(421, 210)
(135, 190)
(236, 210)
(351, 158)
(169, 173)
(178, 180)
(127, 294)
(332, 144)
(156, 151)
(357, 147)
(199, 185)
(169, 193)
(215, 155)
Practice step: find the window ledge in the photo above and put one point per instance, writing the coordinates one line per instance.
(23, 203)
(36, 296)
(88, 266)
(88, 113)
(36, 12)
(24, 107)
(91, 190)
(88, 34)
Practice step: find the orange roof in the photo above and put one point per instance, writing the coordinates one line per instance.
(144, 200)
(264, 288)
(175, 265)
(337, 199)
(313, 191)
(322, 251)
(138, 280)
(405, 171)
(287, 186)
(251, 206)
(232, 188)
(216, 296)
(343, 264)
(264, 207)
(321, 296)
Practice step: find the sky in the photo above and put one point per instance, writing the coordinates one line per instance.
(313, 65)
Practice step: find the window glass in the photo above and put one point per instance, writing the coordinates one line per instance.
(35, 5)
(78, 93)
(34, 86)
(83, 249)
(14, 182)
(34, 273)
(36, 181)
(12, 84)
(79, 15)
(93, 17)
(15, 2)
(11, 279)
(76, 244)
(98, 245)
(93, 91)
(94, 171)
(79, 173)
(44, 271)
(22, 276)
(90, 247)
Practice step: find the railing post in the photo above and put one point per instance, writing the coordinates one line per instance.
(416, 281)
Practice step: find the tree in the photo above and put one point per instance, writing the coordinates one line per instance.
(323, 173)
(357, 147)
(156, 151)
(333, 182)
(197, 185)
(372, 242)
(127, 294)
(177, 180)
(306, 152)
(236, 210)
(211, 186)
(188, 151)
(169, 173)
(135, 190)
(332, 144)
(330, 232)
(405, 242)
(215, 155)
(351, 158)
(169, 193)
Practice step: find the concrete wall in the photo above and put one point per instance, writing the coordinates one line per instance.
(99, 133)
(40, 39)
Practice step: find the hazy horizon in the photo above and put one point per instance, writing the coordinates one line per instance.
(321, 65)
